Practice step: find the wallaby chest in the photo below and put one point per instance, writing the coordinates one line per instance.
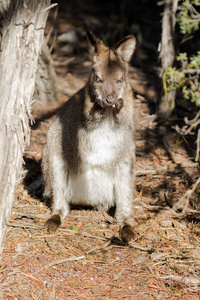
(102, 145)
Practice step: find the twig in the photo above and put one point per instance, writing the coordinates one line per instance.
(163, 169)
(108, 218)
(198, 146)
(41, 292)
(45, 236)
(48, 244)
(154, 208)
(189, 129)
(191, 71)
(24, 274)
(53, 292)
(62, 261)
(53, 42)
(194, 212)
(74, 258)
(195, 282)
(63, 63)
(184, 201)
(52, 27)
(97, 248)
(27, 215)
(26, 225)
(94, 237)
(150, 270)
(49, 7)
(69, 231)
(140, 248)
(191, 123)
(136, 239)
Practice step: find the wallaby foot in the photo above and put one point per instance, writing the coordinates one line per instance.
(127, 233)
(53, 223)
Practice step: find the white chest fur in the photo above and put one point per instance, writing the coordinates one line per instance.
(99, 150)
(101, 145)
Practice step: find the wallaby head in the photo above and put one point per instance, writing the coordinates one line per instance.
(109, 75)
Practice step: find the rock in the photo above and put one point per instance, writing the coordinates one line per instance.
(18, 248)
(70, 39)
(196, 253)
(115, 228)
(166, 223)
(69, 36)
(140, 259)
(155, 294)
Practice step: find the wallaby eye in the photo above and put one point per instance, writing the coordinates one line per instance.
(98, 79)
(120, 80)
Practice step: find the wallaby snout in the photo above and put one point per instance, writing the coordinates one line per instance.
(110, 95)
(110, 99)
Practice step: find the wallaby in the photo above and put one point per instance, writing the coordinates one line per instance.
(89, 157)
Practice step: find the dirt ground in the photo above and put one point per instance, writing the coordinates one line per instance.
(85, 258)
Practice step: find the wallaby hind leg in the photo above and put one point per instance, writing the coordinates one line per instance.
(124, 197)
(56, 180)
(60, 205)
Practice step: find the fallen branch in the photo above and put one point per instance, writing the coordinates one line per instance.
(154, 208)
(161, 170)
(61, 261)
(26, 225)
(27, 215)
(183, 203)
(145, 249)
(63, 63)
(189, 128)
(97, 248)
(192, 282)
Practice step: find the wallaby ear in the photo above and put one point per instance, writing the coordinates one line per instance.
(92, 39)
(93, 42)
(125, 47)
(96, 45)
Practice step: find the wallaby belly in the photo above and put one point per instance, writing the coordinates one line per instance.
(92, 187)
(100, 151)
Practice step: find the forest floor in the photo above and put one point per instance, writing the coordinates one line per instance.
(85, 258)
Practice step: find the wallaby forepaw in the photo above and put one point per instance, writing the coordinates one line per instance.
(53, 223)
(127, 233)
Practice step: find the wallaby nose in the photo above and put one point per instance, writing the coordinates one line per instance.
(110, 99)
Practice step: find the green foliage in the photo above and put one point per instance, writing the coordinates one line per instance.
(188, 16)
(1, 267)
(74, 284)
(74, 227)
(186, 77)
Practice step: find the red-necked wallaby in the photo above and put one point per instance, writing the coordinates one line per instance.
(89, 157)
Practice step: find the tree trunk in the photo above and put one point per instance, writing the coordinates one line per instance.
(21, 35)
(167, 54)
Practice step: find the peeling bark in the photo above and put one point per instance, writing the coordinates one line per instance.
(21, 35)
(46, 82)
